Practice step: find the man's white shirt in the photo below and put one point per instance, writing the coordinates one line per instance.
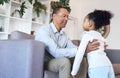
(57, 43)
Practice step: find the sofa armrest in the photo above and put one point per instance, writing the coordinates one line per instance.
(21, 59)
(76, 42)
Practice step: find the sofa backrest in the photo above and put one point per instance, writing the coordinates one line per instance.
(114, 56)
(21, 35)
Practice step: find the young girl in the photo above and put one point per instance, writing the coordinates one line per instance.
(99, 64)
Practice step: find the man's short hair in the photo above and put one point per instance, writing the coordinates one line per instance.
(56, 10)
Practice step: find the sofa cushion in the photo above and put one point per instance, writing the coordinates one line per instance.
(116, 69)
(20, 35)
(117, 76)
(50, 74)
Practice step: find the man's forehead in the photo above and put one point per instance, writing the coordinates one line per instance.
(63, 12)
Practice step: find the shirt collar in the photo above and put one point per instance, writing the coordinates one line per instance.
(55, 29)
(91, 31)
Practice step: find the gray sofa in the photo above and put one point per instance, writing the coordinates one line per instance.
(113, 54)
(21, 58)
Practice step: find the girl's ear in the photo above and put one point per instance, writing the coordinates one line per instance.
(91, 23)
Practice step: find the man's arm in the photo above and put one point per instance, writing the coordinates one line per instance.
(54, 49)
(94, 45)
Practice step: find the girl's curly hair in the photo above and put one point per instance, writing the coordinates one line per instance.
(100, 18)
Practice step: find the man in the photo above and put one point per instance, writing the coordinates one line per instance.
(59, 47)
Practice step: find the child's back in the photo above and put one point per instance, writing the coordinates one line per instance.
(98, 57)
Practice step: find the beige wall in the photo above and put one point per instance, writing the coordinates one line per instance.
(82, 7)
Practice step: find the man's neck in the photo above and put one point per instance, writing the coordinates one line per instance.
(57, 26)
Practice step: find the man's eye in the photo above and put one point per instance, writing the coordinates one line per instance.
(66, 16)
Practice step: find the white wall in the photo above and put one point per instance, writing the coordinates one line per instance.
(80, 8)
(72, 28)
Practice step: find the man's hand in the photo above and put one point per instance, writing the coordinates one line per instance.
(73, 76)
(94, 45)
(105, 45)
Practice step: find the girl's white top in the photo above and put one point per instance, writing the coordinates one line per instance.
(95, 58)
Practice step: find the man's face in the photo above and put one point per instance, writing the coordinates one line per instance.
(61, 18)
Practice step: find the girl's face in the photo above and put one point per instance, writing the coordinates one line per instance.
(86, 24)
